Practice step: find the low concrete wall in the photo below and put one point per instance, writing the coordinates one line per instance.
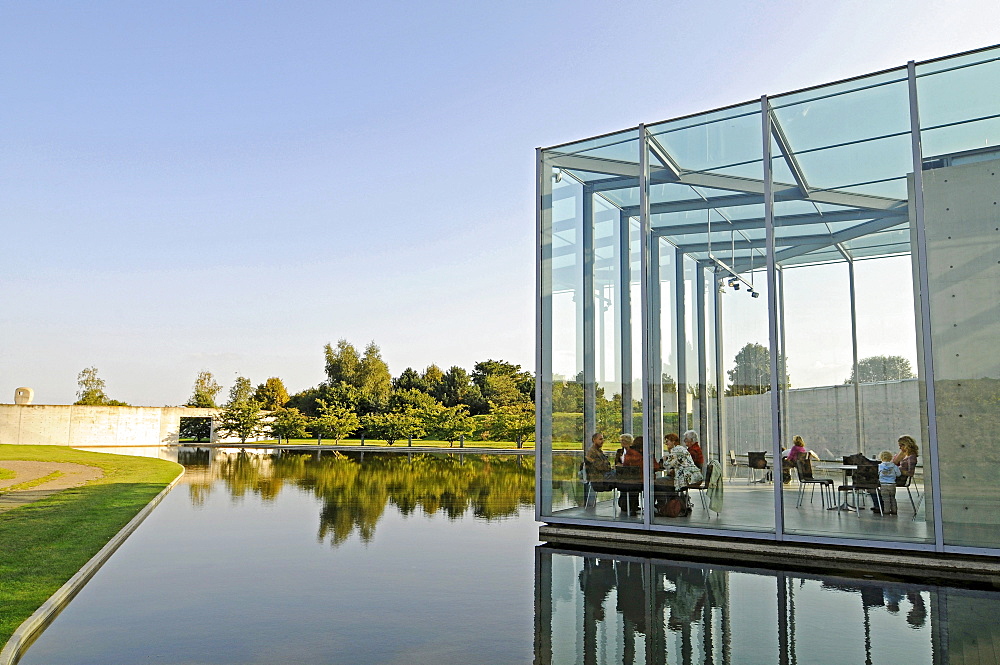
(94, 426)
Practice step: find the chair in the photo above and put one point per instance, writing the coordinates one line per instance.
(804, 469)
(907, 484)
(702, 487)
(734, 464)
(756, 462)
(628, 480)
(866, 481)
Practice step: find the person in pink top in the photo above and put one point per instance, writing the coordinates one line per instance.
(797, 450)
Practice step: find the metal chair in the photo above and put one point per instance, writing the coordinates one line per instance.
(908, 483)
(734, 464)
(866, 482)
(804, 468)
(756, 462)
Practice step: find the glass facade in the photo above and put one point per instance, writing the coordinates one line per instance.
(819, 266)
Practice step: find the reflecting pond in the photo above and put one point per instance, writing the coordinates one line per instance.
(434, 558)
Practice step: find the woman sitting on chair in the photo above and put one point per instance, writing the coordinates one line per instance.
(906, 458)
(679, 464)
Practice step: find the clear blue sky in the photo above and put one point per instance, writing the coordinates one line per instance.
(230, 185)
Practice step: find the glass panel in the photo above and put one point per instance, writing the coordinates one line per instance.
(709, 256)
(847, 326)
(961, 178)
(589, 333)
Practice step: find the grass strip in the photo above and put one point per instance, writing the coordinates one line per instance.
(423, 443)
(28, 484)
(46, 542)
(6, 474)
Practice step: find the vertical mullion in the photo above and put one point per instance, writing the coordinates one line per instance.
(925, 312)
(543, 339)
(772, 321)
(589, 320)
(625, 306)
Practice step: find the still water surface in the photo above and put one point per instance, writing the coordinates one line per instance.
(435, 559)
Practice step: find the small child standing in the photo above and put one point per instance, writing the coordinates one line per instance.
(887, 474)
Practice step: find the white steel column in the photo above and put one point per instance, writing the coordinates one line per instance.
(772, 322)
(925, 313)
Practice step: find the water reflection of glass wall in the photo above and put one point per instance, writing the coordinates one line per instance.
(594, 608)
(959, 100)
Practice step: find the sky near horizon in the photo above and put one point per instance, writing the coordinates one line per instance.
(228, 186)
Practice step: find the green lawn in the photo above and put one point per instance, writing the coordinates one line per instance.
(45, 543)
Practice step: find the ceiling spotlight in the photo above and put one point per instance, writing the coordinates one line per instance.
(754, 294)
(735, 285)
(558, 176)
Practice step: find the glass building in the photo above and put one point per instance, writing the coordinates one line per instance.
(823, 263)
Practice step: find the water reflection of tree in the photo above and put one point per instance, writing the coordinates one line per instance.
(355, 492)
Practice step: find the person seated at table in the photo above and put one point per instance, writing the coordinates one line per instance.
(626, 441)
(906, 458)
(629, 500)
(679, 465)
(597, 465)
(691, 443)
(798, 449)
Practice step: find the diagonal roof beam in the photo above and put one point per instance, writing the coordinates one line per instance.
(786, 150)
(664, 157)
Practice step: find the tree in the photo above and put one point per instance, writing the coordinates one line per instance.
(342, 363)
(513, 422)
(374, 380)
(409, 380)
(91, 390)
(288, 423)
(751, 374)
(882, 368)
(271, 394)
(392, 426)
(335, 421)
(457, 388)
(485, 375)
(432, 377)
(451, 424)
(196, 428)
(205, 391)
(241, 415)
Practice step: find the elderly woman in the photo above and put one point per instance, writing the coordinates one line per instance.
(679, 464)
(691, 443)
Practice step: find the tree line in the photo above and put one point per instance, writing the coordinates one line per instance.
(360, 398)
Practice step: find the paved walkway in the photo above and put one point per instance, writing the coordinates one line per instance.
(73, 475)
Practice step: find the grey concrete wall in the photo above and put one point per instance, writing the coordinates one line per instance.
(825, 418)
(90, 426)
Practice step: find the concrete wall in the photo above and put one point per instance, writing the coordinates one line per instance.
(90, 426)
(825, 418)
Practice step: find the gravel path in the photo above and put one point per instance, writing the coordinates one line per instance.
(26, 471)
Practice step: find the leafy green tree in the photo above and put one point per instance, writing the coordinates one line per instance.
(205, 391)
(91, 388)
(451, 424)
(485, 375)
(432, 377)
(751, 374)
(335, 421)
(513, 422)
(882, 368)
(241, 415)
(342, 363)
(409, 380)
(288, 424)
(308, 400)
(456, 388)
(374, 380)
(271, 394)
(392, 426)
(199, 429)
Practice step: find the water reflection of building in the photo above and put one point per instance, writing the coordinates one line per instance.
(594, 608)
